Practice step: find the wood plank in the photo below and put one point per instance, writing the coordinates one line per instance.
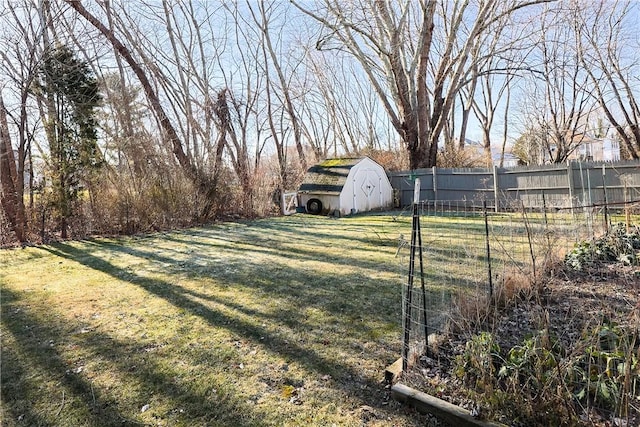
(446, 411)
(393, 372)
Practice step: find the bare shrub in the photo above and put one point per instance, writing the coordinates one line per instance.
(455, 157)
(391, 160)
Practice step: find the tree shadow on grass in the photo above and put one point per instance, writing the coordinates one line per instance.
(256, 247)
(267, 233)
(349, 234)
(179, 297)
(35, 359)
(348, 296)
(354, 299)
(332, 291)
(182, 298)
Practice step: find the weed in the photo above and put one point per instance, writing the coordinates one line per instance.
(477, 363)
(620, 244)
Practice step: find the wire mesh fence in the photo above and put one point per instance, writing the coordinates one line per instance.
(466, 256)
(469, 253)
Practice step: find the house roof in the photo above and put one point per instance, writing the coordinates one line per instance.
(329, 176)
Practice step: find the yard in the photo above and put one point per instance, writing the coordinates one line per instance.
(292, 321)
(281, 321)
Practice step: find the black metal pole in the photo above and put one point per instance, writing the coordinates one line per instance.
(544, 209)
(424, 291)
(606, 205)
(486, 233)
(408, 298)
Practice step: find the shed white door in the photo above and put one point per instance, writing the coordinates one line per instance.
(366, 189)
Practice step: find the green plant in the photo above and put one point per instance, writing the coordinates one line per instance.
(608, 373)
(532, 363)
(618, 245)
(476, 363)
(604, 375)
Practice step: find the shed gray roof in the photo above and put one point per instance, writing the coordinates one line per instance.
(329, 176)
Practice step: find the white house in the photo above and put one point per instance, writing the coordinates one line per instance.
(345, 186)
(592, 149)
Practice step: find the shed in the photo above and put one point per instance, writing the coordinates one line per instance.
(345, 186)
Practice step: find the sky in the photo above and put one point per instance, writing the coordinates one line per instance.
(227, 55)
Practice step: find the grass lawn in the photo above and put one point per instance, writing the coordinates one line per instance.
(281, 321)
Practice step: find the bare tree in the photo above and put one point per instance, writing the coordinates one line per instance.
(560, 99)
(505, 128)
(510, 47)
(281, 85)
(416, 55)
(494, 88)
(23, 45)
(344, 102)
(205, 183)
(239, 106)
(127, 121)
(608, 51)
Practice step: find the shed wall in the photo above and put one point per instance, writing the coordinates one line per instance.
(367, 188)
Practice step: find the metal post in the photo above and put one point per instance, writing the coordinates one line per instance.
(570, 183)
(408, 298)
(544, 210)
(486, 233)
(496, 191)
(627, 207)
(434, 179)
(606, 203)
(424, 291)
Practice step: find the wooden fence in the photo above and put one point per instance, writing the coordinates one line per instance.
(558, 186)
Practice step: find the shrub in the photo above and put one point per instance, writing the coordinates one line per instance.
(618, 245)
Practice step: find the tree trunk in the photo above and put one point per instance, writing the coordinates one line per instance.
(467, 106)
(12, 205)
(486, 145)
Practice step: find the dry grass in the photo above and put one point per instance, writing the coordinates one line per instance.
(557, 348)
(285, 321)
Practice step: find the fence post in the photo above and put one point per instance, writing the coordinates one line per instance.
(544, 211)
(606, 203)
(412, 264)
(424, 291)
(571, 184)
(486, 233)
(627, 205)
(495, 188)
(435, 184)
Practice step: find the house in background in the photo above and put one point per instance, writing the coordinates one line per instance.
(605, 149)
(345, 186)
(591, 149)
(509, 161)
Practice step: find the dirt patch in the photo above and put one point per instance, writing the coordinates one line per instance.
(556, 356)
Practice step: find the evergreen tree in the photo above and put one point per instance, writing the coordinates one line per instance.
(71, 94)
